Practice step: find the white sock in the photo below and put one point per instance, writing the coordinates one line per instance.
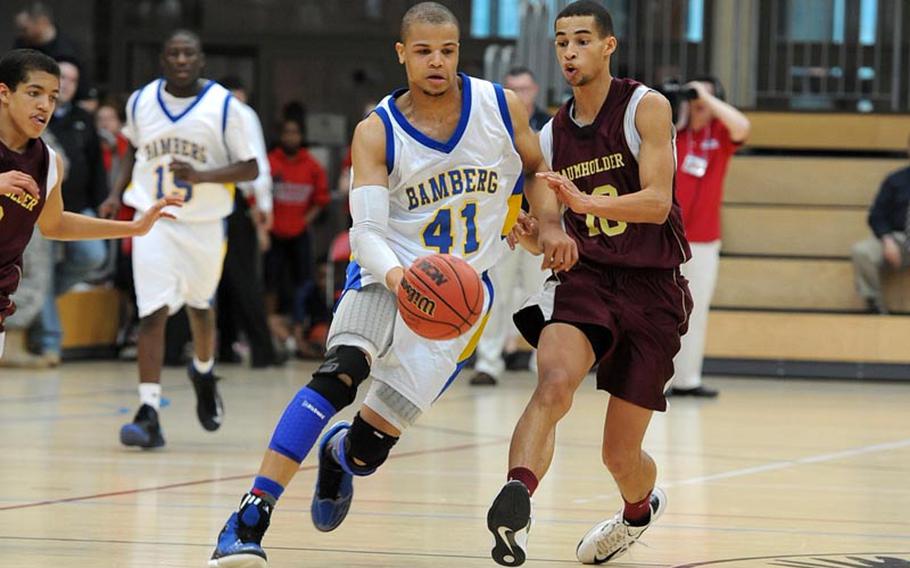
(203, 367)
(150, 394)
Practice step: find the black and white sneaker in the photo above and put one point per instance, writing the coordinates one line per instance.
(509, 519)
(209, 408)
(144, 431)
(610, 539)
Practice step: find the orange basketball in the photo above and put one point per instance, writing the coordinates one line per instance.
(440, 296)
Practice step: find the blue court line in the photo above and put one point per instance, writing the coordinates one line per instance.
(115, 410)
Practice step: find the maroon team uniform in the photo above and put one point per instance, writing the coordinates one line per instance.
(626, 293)
(18, 216)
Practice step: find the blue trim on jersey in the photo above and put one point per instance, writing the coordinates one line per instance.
(136, 103)
(504, 110)
(519, 184)
(199, 96)
(353, 276)
(461, 364)
(224, 117)
(389, 137)
(445, 147)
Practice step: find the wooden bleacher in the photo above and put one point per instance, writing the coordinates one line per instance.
(785, 286)
(90, 319)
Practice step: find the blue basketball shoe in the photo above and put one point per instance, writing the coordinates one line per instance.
(144, 431)
(334, 482)
(239, 542)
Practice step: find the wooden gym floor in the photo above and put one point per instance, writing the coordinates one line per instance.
(773, 473)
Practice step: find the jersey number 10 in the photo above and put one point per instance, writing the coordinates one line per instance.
(598, 225)
(175, 187)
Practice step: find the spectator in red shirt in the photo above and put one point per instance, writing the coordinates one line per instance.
(300, 191)
(712, 133)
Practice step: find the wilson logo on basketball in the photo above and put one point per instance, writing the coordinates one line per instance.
(418, 300)
(434, 273)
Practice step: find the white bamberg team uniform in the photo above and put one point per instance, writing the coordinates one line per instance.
(179, 262)
(457, 197)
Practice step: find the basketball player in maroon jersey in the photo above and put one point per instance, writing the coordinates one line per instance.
(31, 173)
(624, 305)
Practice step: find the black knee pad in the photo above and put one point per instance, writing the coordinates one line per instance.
(341, 360)
(367, 445)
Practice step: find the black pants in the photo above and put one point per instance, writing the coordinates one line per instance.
(289, 273)
(241, 293)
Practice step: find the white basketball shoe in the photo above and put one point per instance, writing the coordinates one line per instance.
(611, 538)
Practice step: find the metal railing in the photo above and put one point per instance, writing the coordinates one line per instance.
(833, 55)
(658, 40)
(843, 55)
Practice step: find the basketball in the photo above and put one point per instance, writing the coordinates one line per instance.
(440, 296)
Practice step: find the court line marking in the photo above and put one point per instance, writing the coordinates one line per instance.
(784, 464)
(772, 466)
(134, 491)
(784, 557)
(316, 549)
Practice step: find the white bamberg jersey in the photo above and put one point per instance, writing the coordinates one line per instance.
(458, 197)
(204, 130)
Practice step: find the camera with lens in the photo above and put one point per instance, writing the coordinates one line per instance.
(676, 93)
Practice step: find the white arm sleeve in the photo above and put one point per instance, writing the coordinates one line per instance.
(546, 143)
(370, 212)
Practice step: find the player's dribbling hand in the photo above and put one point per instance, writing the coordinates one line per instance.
(184, 171)
(567, 192)
(18, 184)
(393, 278)
(144, 224)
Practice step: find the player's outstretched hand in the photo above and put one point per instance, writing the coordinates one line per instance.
(525, 226)
(144, 224)
(567, 192)
(184, 171)
(18, 184)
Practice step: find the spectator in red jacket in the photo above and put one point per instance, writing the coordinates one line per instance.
(300, 192)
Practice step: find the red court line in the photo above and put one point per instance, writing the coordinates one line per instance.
(234, 477)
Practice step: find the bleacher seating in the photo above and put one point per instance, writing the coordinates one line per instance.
(785, 286)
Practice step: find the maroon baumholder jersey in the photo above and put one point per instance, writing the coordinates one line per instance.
(598, 160)
(18, 216)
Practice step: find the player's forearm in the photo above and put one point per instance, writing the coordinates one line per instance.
(646, 206)
(735, 121)
(545, 207)
(72, 226)
(125, 176)
(238, 171)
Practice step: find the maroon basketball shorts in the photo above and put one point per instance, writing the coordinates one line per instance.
(633, 317)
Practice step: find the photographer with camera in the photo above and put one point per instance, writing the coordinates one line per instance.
(709, 133)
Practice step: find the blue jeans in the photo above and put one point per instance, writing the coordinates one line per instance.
(80, 260)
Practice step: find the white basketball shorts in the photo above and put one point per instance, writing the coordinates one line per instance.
(178, 263)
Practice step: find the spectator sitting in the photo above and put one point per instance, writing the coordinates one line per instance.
(889, 247)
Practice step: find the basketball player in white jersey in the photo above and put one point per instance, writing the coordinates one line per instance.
(437, 168)
(186, 138)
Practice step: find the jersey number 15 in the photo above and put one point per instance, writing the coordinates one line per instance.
(168, 186)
